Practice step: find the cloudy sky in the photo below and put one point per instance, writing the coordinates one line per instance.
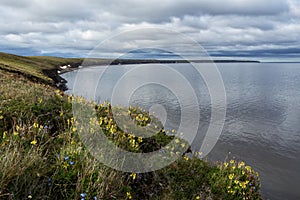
(267, 30)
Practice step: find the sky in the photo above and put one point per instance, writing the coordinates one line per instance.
(266, 30)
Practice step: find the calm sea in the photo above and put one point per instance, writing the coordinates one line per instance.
(262, 125)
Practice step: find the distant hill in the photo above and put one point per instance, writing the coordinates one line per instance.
(45, 68)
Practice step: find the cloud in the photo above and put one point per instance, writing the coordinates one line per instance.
(14, 38)
(71, 28)
(158, 11)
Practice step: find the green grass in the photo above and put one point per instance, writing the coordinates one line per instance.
(36, 68)
(42, 156)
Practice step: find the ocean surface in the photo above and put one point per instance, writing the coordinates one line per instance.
(262, 124)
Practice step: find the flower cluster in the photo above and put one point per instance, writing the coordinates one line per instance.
(241, 180)
(26, 133)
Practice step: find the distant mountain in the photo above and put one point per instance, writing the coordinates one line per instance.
(150, 53)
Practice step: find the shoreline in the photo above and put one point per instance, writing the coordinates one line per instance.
(47, 69)
(61, 82)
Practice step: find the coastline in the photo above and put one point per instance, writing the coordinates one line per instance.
(39, 132)
(101, 62)
(48, 69)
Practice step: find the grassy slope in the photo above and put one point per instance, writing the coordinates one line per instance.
(36, 68)
(37, 135)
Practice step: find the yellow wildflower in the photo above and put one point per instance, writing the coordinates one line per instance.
(113, 129)
(33, 142)
(226, 164)
(231, 191)
(186, 158)
(243, 185)
(183, 145)
(133, 175)
(241, 164)
(65, 165)
(198, 197)
(232, 161)
(15, 133)
(4, 134)
(129, 195)
(140, 139)
(35, 125)
(74, 129)
(177, 141)
(231, 176)
(248, 168)
(105, 120)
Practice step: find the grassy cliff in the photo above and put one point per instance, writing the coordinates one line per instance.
(39, 69)
(42, 156)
